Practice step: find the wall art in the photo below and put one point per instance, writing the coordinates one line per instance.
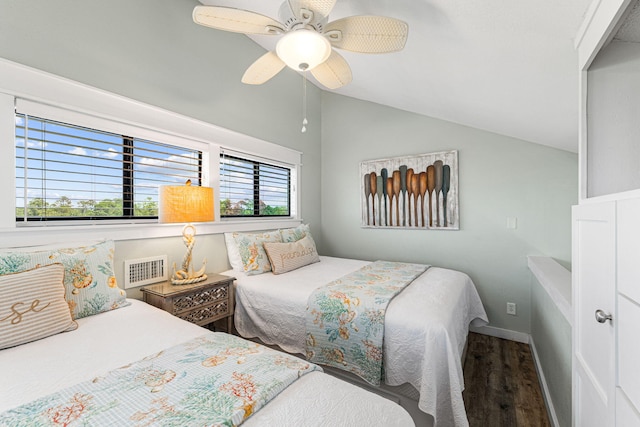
(414, 192)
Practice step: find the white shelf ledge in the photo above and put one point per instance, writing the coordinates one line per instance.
(556, 280)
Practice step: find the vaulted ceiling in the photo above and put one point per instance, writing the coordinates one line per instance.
(504, 66)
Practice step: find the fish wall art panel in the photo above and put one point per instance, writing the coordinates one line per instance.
(415, 192)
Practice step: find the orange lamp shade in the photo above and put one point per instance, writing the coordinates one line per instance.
(185, 203)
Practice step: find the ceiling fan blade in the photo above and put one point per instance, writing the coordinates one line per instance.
(235, 20)
(334, 72)
(318, 7)
(265, 67)
(367, 34)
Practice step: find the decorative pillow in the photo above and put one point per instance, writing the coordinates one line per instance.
(294, 234)
(289, 256)
(297, 233)
(32, 305)
(232, 251)
(254, 258)
(89, 280)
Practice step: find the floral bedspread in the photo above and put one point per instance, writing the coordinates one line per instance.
(214, 380)
(345, 318)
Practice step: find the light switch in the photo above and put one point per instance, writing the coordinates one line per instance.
(512, 223)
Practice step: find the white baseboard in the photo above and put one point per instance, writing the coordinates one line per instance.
(501, 333)
(526, 339)
(543, 383)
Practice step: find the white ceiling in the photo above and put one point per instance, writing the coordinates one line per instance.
(505, 66)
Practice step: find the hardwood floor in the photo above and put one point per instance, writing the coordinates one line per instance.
(501, 384)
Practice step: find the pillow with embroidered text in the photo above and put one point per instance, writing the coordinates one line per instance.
(285, 257)
(32, 305)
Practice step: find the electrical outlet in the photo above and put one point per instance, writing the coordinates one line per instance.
(511, 308)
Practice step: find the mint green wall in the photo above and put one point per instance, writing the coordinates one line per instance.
(210, 247)
(551, 334)
(499, 177)
(151, 51)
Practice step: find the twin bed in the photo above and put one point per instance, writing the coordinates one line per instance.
(123, 346)
(123, 362)
(113, 339)
(425, 327)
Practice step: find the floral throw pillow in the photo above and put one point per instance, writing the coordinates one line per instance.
(89, 279)
(295, 234)
(254, 258)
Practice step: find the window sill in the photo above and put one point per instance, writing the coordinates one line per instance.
(51, 233)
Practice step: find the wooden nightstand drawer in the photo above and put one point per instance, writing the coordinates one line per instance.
(200, 303)
(206, 314)
(198, 299)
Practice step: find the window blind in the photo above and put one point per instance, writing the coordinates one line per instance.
(253, 188)
(65, 171)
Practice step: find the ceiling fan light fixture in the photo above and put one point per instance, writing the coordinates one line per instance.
(303, 49)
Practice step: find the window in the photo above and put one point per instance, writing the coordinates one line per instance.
(70, 172)
(251, 188)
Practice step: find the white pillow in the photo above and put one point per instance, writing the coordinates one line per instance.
(285, 257)
(233, 252)
(32, 305)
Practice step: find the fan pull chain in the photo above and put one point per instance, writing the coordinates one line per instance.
(304, 102)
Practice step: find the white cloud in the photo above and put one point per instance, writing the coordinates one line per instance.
(152, 162)
(111, 154)
(191, 158)
(146, 161)
(35, 144)
(78, 150)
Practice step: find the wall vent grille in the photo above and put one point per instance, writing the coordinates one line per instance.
(142, 271)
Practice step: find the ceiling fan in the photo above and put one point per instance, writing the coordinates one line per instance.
(308, 38)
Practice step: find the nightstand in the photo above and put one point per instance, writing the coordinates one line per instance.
(200, 303)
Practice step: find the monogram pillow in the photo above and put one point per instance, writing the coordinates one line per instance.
(89, 279)
(290, 256)
(32, 305)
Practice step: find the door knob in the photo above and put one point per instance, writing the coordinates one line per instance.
(602, 317)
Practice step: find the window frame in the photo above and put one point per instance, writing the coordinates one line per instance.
(256, 184)
(129, 187)
(43, 90)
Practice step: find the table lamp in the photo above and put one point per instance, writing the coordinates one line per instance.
(186, 203)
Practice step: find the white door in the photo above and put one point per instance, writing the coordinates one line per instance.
(628, 310)
(593, 290)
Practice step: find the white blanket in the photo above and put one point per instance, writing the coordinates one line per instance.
(426, 326)
(109, 340)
